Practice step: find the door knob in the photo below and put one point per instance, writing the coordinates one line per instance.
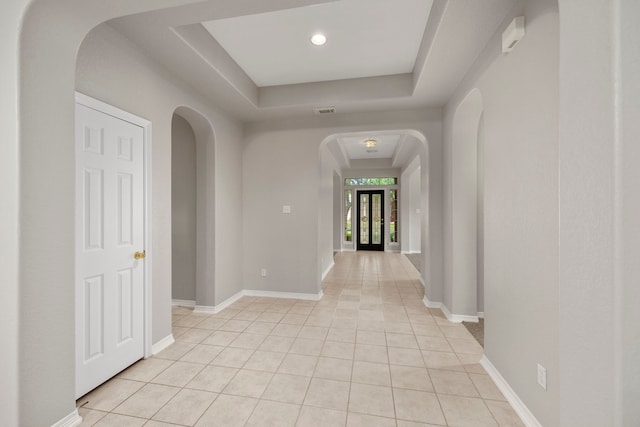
(140, 255)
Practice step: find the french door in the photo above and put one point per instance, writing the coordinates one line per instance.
(370, 220)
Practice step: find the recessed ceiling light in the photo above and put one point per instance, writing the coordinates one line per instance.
(318, 39)
(370, 143)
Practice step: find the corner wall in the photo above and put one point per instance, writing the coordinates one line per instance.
(148, 91)
(599, 241)
(10, 22)
(520, 127)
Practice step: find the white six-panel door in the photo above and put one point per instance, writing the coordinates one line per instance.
(109, 231)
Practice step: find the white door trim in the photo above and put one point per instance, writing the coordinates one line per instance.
(145, 124)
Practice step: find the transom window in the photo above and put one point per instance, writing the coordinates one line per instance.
(371, 181)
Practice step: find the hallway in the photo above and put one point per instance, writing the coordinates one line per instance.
(368, 354)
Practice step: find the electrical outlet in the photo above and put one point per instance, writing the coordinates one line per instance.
(286, 209)
(263, 272)
(542, 376)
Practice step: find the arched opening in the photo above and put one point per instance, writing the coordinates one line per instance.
(183, 212)
(200, 205)
(466, 183)
(412, 196)
(411, 208)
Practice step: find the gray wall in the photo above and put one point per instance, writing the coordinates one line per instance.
(183, 210)
(415, 211)
(146, 90)
(9, 219)
(627, 348)
(599, 327)
(520, 134)
(282, 165)
(326, 226)
(337, 211)
(599, 215)
(480, 222)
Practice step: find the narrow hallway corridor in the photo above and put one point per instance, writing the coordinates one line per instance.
(368, 354)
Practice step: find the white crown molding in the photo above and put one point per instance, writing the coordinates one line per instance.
(183, 303)
(72, 420)
(162, 344)
(518, 405)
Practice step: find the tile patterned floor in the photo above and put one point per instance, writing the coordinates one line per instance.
(368, 354)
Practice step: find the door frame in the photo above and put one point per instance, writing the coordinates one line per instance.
(145, 124)
(370, 191)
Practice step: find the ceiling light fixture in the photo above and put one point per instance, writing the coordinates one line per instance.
(318, 39)
(370, 143)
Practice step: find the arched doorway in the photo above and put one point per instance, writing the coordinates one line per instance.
(465, 216)
(201, 207)
(183, 212)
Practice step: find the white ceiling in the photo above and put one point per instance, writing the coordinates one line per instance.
(355, 149)
(421, 69)
(364, 38)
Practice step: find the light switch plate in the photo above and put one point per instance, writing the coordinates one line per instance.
(286, 209)
(542, 376)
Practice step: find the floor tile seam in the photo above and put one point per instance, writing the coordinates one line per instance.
(210, 405)
(173, 385)
(483, 402)
(137, 381)
(156, 412)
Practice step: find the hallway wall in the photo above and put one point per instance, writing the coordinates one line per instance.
(520, 127)
(36, 117)
(281, 166)
(148, 91)
(10, 22)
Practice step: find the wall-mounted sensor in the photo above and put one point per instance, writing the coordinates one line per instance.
(513, 34)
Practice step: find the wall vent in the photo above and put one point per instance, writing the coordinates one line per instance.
(324, 110)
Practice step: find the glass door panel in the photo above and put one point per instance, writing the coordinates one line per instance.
(376, 217)
(364, 219)
(370, 220)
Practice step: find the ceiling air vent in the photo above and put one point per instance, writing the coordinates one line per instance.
(324, 110)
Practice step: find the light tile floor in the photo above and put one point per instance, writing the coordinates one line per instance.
(368, 354)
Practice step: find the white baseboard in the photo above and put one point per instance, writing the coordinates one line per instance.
(328, 269)
(430, 304)
(183, 303)
(162, 344)
(457, 318)
(72, 420)
(218, 308)
(204, 309)
(481, 315)
(521, 409)
(348, 250)
(454, 318)
(288, 295)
